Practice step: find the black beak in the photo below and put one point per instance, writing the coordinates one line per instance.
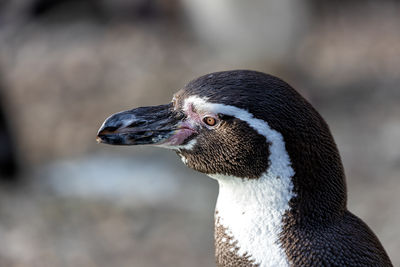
(145, 125)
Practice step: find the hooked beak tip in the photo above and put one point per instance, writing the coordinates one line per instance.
(102, 132)
(99, 140)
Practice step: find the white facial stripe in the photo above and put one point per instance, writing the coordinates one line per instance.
(279, 158)
(252, 209)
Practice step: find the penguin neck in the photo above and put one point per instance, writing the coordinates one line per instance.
(251, 213)
(318, 180)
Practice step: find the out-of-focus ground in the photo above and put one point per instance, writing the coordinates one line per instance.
(65, 66)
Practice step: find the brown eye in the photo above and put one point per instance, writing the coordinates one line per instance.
(210, 121)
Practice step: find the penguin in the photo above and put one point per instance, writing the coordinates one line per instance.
(282, 191)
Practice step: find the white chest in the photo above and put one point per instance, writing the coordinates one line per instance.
(252, 212)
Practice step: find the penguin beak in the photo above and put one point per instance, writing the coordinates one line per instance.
(155, 125)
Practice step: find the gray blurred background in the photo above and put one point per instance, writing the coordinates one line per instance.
(66, 65)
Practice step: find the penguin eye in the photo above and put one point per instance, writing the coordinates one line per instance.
(210, 121)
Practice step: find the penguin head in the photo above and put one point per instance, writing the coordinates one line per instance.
(236, 123)
(209, 123)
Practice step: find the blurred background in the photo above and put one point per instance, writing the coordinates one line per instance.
(66, 65)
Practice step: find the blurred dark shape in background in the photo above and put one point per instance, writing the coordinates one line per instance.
(104, 11)
(8, 159)
(68, 64)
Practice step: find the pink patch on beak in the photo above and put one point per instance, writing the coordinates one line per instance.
(180, 135)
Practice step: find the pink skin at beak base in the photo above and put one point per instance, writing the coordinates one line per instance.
(186, 129)
(181, 134)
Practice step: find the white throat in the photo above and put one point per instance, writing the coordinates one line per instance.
(252, 212)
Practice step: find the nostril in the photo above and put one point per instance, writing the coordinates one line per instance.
(179, 115)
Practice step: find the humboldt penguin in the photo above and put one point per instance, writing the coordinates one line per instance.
(282, 191)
